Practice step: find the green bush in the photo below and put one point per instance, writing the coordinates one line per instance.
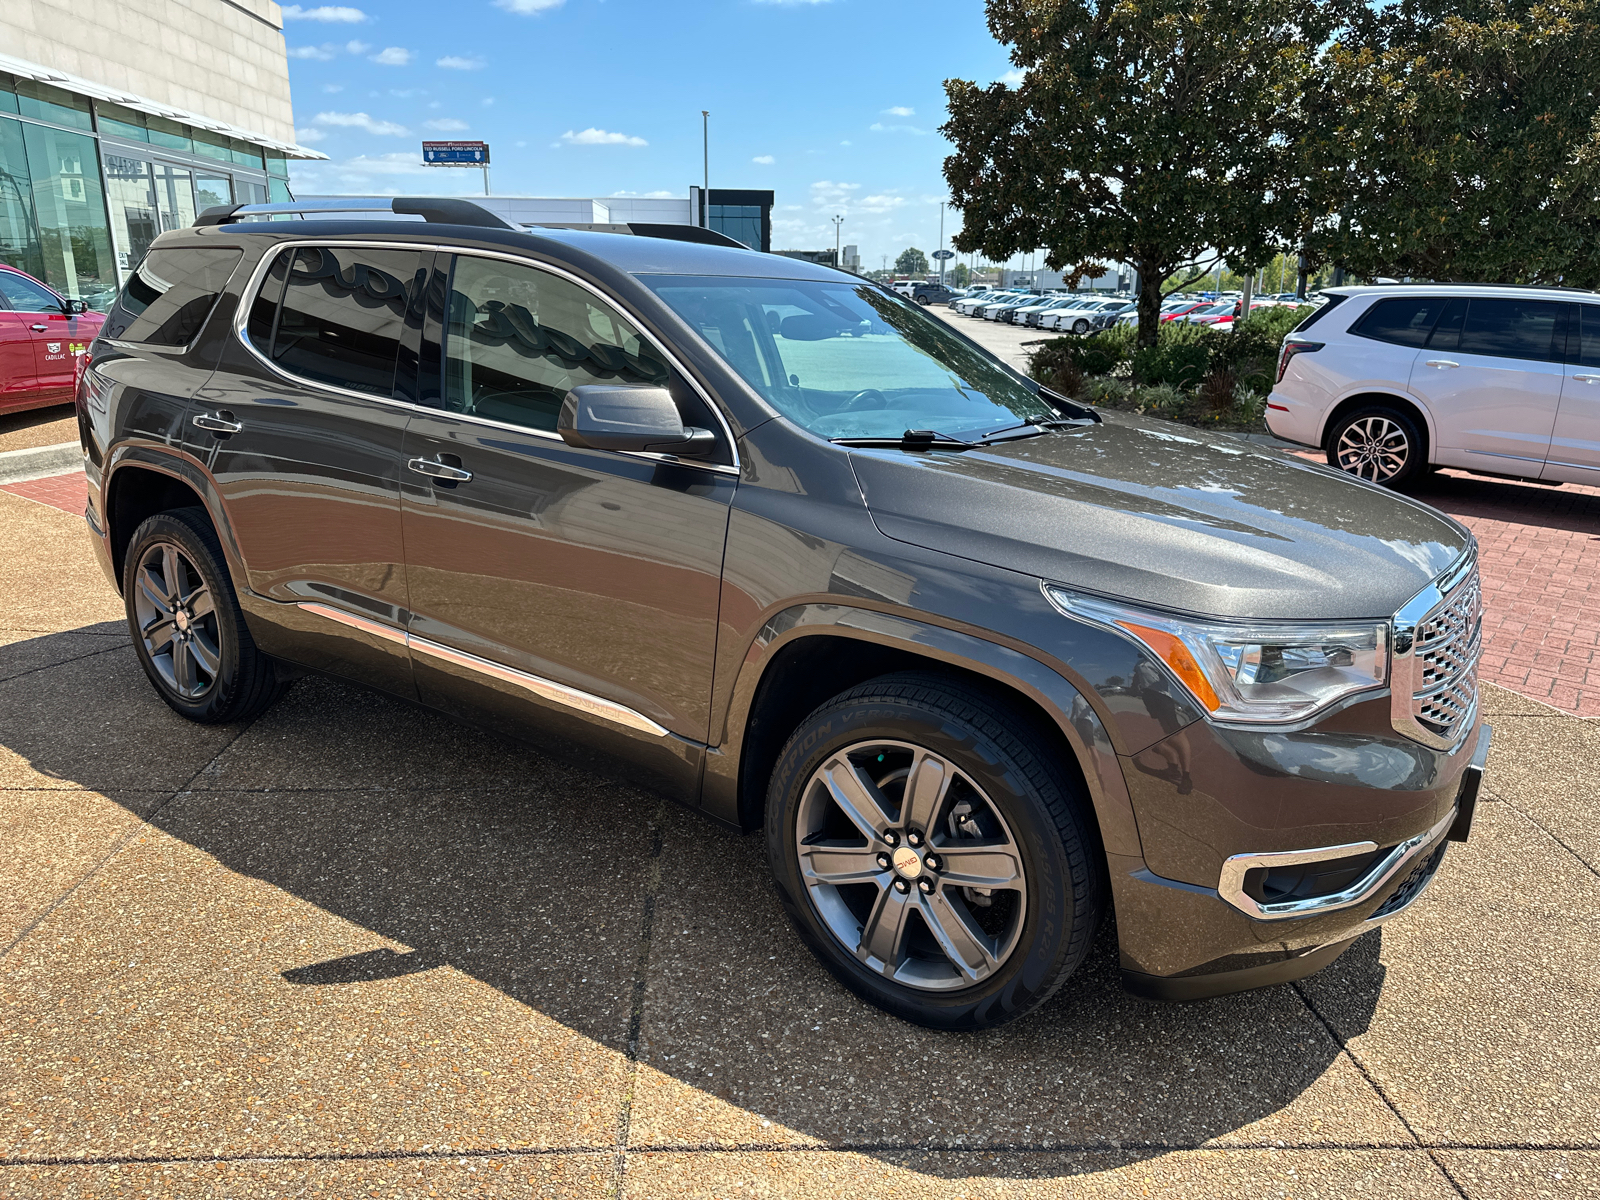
(1251, 350)
(1064, 358)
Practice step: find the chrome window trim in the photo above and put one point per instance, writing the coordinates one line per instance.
(241, 322)
(127, 344)
(1403, 663)
(548, 689)
(1230, 883)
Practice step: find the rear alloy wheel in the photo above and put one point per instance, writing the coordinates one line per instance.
(932, 854)
(1379, 444)
(186, 625)
(1080, 326)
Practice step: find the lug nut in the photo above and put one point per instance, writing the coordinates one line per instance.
(925, 884)
(914, 838)
(891, 838)
(901, 886)
(931, 862)
(883, 861)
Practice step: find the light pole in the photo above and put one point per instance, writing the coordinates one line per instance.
(941, 243)
(705, 149)
(837, 222)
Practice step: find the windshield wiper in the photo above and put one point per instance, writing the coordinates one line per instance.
(911, 439)
(1035, 428)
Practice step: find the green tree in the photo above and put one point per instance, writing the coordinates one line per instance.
(1463, 142)
(958, 276)
(911, 262)
(1155, 132)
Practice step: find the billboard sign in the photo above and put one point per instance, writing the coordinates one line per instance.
(455, 154)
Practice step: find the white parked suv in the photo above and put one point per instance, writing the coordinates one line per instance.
(1390, 380)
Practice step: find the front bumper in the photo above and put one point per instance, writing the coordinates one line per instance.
(1182, 941)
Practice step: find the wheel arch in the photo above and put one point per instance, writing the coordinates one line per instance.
(142, 482)
(812, 652)
(1363, 399)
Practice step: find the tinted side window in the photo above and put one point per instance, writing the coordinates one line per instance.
(1515, 329)
(263, 319)
(344, 313)
(1447, 333)
(1585, 346)
(167, 300)
(518, 339)
(19, 294)
(1404, 320)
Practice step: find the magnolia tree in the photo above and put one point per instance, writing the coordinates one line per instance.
(911, 262)
(1162, 133)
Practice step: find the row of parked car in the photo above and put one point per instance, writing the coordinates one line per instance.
(1089, 314)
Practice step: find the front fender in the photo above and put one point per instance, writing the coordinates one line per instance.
(1063, 703)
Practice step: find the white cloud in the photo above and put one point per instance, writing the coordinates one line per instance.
(455, 62)
(899, 111)
(324, 12)
(766, 160)
(392, 56)
(310, 136)
(878, 127)
(846, 143)
(488, 101)
(360, 120)
(519, 145)
(826, 192)
(649, 195)
(319, 53)
(1012, 78)
(446, 125)
(599, 137)
(330, 88)
(527, 8)
(881, 203)
(357, 47)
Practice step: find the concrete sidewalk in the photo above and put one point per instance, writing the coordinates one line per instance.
(352, 948)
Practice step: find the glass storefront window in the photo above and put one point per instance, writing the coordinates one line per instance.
(8, 93)
(19, 232)
(134, 220)
(246, 155)
(278, 191)
(211, 191)
(250, 192)
(169, 134)
(741, 222)
(120, 122)
(212, 145)
(45, 103)
(277, 164)
(174, 196)
(70, 208)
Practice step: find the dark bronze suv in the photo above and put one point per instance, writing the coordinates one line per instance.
(979, 662)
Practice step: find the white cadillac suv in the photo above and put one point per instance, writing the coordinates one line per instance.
(1391, 380)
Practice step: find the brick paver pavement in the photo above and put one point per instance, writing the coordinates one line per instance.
(1540, 556)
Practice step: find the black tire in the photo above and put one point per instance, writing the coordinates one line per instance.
(1380, 443)
(204, 664)
(1044, 922)
(1080, 327)
(924, 301)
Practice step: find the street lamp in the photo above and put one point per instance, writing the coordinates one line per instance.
(837, 222)
(941, 243)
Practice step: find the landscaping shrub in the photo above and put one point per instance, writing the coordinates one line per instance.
(1251, 350)
(1216, 390)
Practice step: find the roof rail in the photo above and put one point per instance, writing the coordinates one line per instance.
(433, 209)
(676, 233)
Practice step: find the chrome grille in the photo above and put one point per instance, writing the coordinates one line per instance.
(1436, 659)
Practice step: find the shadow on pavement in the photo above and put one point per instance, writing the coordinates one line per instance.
(538, 878)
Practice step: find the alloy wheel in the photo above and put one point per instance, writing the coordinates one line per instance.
(177, 621)
(1373, 448)
(910, 865)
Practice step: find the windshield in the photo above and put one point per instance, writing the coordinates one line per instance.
(850, 360)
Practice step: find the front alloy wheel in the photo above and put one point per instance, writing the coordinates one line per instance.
(910, 865)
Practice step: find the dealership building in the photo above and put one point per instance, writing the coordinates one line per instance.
(121, 119)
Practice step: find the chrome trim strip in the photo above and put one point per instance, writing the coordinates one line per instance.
(241, 322)
(1230, 885)
(377, 628)
(548, 689)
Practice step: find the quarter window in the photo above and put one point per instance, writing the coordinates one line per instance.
(167, 300)
(337, 314)
(1586, 343)
(517, 340)
(1403, 320)
(1515, 329)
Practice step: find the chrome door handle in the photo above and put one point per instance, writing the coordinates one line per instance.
(1588, 378)
(439, 470)
(1441, 363)
(217, 423)
(38, 328)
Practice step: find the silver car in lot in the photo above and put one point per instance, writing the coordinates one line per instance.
(1391, 380)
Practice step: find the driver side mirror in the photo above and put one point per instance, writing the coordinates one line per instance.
(597, 416)
(73, 307)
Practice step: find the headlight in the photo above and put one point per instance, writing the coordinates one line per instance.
(1273, 672)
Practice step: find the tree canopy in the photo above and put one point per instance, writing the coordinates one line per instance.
(911, 262)
(1144, 131)
(1461, 142)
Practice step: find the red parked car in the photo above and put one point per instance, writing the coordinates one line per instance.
(43, 336)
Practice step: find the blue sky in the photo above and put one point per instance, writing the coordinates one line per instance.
(833, 104)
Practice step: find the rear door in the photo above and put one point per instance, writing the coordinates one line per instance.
(52, 332)
(301, 427)
(1575, 442)
(19, 379)
(1490, 373)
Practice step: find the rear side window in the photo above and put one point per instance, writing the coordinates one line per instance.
(1404, 320)
(167, 300)
(1515, 329)
(1585, 343)
(337, 315)
(1322, 310)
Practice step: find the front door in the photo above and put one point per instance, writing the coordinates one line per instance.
(57, 336)
(1575, 443)
(1491, 376)
(301, 430)
(566, 590)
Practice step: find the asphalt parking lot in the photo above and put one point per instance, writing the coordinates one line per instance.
(354, 949)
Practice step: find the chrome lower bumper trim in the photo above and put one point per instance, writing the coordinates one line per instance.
(1231, 884)
(547, 689)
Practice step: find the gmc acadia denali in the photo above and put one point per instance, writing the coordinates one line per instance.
(980, 663)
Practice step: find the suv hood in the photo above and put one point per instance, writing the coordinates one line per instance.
(1167, 516)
